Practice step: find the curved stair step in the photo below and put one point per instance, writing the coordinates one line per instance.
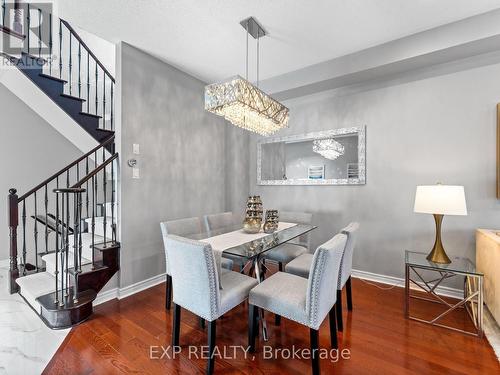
(33, 286)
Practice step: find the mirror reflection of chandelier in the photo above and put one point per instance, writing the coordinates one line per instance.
(329, 148)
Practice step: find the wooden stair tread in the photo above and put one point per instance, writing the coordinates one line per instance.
(52, 78)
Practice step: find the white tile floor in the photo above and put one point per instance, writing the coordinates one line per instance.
(26, 344)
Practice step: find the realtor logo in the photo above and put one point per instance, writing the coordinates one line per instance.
(27, 27)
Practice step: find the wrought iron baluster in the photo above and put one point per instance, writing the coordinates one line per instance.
(104, 183)
(64, 230)
(104, 100)
(50, 43)
(94, 190)
(35, 232)
(24, 236)
(28, 29)
(78, 172)
(67, 178)
(75, 242)
(56, 273)
(113, 224)
(60, 49)
(46, 201)
(39, 32)
(96, 85)
(3, 12)
(87, 187)
(111, 115)
(88, 82)
(79, 69)
(67, 246)
(70, 63)
(95, 181)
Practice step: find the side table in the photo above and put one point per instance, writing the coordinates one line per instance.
(415, 266)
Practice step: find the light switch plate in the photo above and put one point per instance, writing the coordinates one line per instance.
(136, 149)
(135, 173)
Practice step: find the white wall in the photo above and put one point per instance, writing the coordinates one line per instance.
(437, 129)
(31, 150)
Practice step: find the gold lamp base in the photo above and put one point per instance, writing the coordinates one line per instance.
(438, 255)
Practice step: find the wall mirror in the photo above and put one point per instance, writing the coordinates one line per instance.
(330, 157)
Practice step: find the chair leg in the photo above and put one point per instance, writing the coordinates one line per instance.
(252, 326)
(349, 293)
(168, 293)
(176, 325)
(315, 351)
(211, 347)
(333, 328)
(338, 304)
(202, 323)
(277, 318)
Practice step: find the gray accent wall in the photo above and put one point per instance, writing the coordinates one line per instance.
(441, 129)
(186, 166)
(31, 150)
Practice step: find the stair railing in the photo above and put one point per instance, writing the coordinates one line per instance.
(32, 211)
(66, 286)
(87, 77)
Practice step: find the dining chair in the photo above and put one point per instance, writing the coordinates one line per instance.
(289, 251)
(306, 301)
(222, 220)
(196, 280)
(182, 227)
(301, 265)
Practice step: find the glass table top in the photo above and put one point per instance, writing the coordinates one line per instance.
(458, 264)
(253, 248)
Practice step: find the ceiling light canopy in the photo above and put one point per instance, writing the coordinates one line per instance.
(329, 148)
(244, 104)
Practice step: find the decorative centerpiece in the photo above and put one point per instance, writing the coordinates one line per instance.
(253, 215)
(272, 220)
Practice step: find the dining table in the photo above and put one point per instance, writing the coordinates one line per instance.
(233, 241)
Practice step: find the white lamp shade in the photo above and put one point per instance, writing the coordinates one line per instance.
(440, 199)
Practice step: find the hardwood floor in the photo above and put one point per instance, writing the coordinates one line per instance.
(118, 339)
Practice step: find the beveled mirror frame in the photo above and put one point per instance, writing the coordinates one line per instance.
(361, 180)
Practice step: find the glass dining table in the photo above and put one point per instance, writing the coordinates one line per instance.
(252, 250)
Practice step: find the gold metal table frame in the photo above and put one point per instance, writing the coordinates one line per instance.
(472, 299)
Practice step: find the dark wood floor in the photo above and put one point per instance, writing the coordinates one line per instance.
(381, 341)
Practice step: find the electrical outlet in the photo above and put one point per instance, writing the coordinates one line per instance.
(136, 149)
(135, 173)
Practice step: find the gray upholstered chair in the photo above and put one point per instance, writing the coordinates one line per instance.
(182, 227)
(301, 265)
(196, 280)
(221, 220)
(306, 301)
(290, 250)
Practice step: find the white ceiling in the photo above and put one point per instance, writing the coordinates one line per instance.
(204, 38)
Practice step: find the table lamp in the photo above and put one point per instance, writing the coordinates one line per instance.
(440, 200)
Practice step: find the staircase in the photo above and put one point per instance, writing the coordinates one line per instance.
(63, 246)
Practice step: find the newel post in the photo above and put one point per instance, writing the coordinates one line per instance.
(13, 219)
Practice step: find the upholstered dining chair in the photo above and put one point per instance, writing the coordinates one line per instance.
(289, 251)
(306, 301)
(196, 280)
(301, 265)
(182, 227)
(221, 220)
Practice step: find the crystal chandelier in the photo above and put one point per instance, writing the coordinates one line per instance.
(329, 148)
(244, 104)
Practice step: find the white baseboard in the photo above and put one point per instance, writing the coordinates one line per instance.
(400, 282)
(129, 290)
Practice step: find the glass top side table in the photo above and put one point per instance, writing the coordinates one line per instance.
(415, 266)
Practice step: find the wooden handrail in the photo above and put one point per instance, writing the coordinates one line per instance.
(73, 31)
(43, 183)
(95, 171)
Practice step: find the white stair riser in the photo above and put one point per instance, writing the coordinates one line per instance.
(99, 227)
